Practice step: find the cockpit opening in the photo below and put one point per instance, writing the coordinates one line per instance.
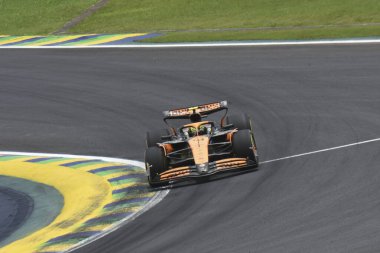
(196, 129)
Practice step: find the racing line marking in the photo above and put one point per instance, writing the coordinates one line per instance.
(322, 150)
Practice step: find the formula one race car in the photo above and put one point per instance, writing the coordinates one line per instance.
(199, 148)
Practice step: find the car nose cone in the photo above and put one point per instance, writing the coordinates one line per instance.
(202, 168)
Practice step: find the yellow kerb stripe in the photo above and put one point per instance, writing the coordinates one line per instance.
(58, 40)
(17, 39)
(113, 38)
(84, 194)
(122, 186)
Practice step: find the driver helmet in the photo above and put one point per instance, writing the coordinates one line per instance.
(204, 129)
(192, 131)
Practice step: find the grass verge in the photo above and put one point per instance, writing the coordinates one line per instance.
(20, 17)
(283, 34)
(38, 17)
(120, 16)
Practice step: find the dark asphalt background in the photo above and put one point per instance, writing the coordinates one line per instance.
(15, 208)
(304, 98)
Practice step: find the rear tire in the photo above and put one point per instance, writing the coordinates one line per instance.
(243, 145)
(155, 136)
(155, 163)
(239, 121)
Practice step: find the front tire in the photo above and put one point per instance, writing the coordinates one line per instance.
(155, 136)
(155, 163)
(243, 145)
(240, 121)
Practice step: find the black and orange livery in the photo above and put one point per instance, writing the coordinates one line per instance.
(200, 148)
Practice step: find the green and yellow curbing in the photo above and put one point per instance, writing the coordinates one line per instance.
(73, 40)
(98, 193)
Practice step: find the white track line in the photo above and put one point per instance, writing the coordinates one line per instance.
(154, 201)
(210, 44)
(322, 150)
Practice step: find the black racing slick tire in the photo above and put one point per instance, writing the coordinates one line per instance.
(243, 145)
(155, 136)
(155, 163)
(239, 121)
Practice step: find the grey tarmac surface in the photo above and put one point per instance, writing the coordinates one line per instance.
(41, 205)
(15, 209)
(304, 98)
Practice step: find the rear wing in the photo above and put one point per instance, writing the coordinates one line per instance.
(185, 113)
(203, 110)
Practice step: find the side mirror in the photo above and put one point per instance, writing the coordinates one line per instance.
(166, 137)
(228, 126)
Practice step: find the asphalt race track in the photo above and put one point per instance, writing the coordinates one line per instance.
(15, 208)
(302, 98)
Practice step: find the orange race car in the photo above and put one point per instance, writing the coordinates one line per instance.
(199, 148)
